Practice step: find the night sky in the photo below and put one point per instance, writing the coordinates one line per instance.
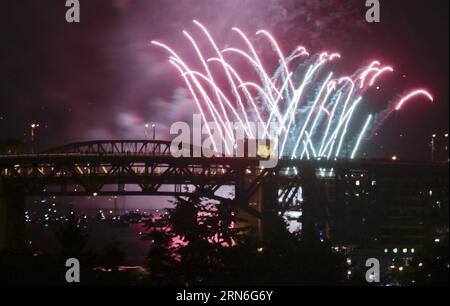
(101, 78)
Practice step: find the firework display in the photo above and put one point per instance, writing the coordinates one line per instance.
(313, 109)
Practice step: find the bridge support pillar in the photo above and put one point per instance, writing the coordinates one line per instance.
(269, 211)
(12, 225)
(315, 206)
(264, 201)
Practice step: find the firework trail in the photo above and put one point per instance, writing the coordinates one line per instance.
(314, 111)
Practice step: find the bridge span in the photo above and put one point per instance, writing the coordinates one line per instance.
(136, 167)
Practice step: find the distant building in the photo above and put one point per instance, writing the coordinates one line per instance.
(393, 219)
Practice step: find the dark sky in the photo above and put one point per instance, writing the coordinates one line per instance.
(101, 79)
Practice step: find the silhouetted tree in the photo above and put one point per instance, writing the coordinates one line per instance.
(161, 261)
(215, 252)
(72, 238)
(73, 241)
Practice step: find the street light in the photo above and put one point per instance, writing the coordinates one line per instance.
(146, 131)
(34, 126)
(446, 144)
(146, 126)
(394, 158)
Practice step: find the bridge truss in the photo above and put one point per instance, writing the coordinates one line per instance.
(126, 168)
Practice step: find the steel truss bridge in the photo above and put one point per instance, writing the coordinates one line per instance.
(136, 167)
